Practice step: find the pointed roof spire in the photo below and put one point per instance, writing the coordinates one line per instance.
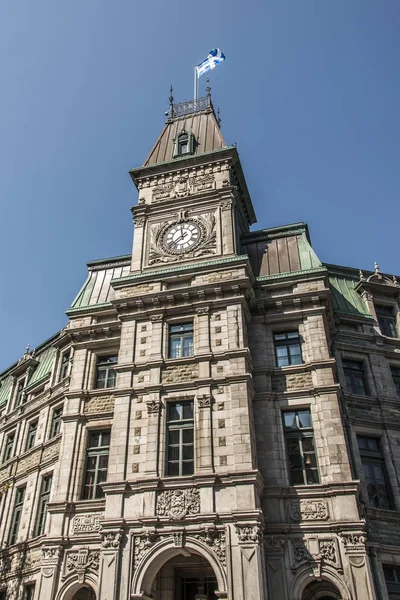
(208, 89)
(218, 118)
(171, 102)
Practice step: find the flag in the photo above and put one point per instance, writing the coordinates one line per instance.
(213, 59)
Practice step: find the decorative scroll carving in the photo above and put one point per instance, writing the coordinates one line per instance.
(87, 523)
(160, 192)
(327, 550)
(274, 543)
(353, 541)
(177, 504)
(204, 401)
(216, 540)
(308, 510)
(248, 533)
(183, 186)
(80, 561)
(300, 551)
(202, 182)
(143, 542)
(111, 539)
(139, 221)
(179, 539)
(153, 407)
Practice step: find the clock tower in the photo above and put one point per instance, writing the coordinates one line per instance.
(193, 199)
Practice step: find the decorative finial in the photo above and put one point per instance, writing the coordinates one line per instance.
(208, 89)
(171, 102)
(362, 278)
(27, 350)
(377, 270)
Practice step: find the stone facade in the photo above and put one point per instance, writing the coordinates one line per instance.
(237, 524)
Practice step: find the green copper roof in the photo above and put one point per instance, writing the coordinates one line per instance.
(45, 366)
(5, 389)
(308, 258)
(96, 289)
(345, 299)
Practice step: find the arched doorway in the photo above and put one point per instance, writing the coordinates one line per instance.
(185, 578)
(84, 593)
(321, 590)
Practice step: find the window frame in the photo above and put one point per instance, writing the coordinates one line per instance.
(9, 448)
(386, 320)
(351, 372)
(65, 363)
(370, 457)
(395, 373)
(105, 365)
(31, 434)
(300, 434)
(182, 424)
(44, 497)
(288, 343)
(392, 585)
(56, 421)
(19, 391)
(16, 515)
(28, 591)
(97, 452)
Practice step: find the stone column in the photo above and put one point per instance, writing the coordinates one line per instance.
(152, 438)
(50, 575)
(156, 336)
(109, 564)
(358, 564)
(248, 571)
(205, 462)
(275, 566)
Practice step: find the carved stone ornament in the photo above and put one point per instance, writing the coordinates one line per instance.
(248, 534)
(309, 510)
(179, 539)
(353, 541)
(87, 523)
(81, 561)
(300, 551)
(327, 550)
(139, 221)
(50, 555)
(177, 504)
(111, 539)
(143, 542)
(182, 185)
(274, 543)
(159, 252)
(204, 401)
(153, 407)
(215, 540)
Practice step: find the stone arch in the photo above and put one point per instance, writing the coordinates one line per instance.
(305, 578)
(146, 571)
(72, 586)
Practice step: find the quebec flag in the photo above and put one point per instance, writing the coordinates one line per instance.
(213, 59)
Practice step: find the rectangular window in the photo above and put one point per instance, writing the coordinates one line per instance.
(32, 429)
(56, 422)
(16, 516)
(180, 438)
(300, 447)
(106, 375)
(96, 463)
(354, 376)
(43, 502)
(65, 361)
(180, 340)
(386, 320)
(392, 578)
(396, 380)
(374, 472)
(287, 348)
(9, 446)
(29, 591)
(19, 394)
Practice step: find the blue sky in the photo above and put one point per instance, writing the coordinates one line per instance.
(310, 92)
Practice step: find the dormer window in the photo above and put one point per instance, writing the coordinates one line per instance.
(183, 144)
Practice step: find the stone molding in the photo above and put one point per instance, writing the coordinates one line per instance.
(248, 534)
(309, 510)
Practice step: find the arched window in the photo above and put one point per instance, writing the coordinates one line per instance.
(184, 144)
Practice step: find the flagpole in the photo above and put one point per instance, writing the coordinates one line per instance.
(195, 85)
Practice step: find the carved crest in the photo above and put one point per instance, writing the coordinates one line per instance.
(177, 504)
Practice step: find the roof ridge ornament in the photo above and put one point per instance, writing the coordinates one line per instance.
(376, 267)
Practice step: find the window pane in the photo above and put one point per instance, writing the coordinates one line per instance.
(173, 437)
(103, 461)
(105, 438)
(296, 477)
(174, 411)
(173, 468)
(187, 410)
(308, 444)
(312, 476)
(304, 418)
(187, 468)
(187, 452)
(290, 420)
(173, 453)
(187, 435)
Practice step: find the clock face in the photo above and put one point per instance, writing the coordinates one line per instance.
(181, 237)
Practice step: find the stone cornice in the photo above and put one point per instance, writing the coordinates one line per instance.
(310, 492)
